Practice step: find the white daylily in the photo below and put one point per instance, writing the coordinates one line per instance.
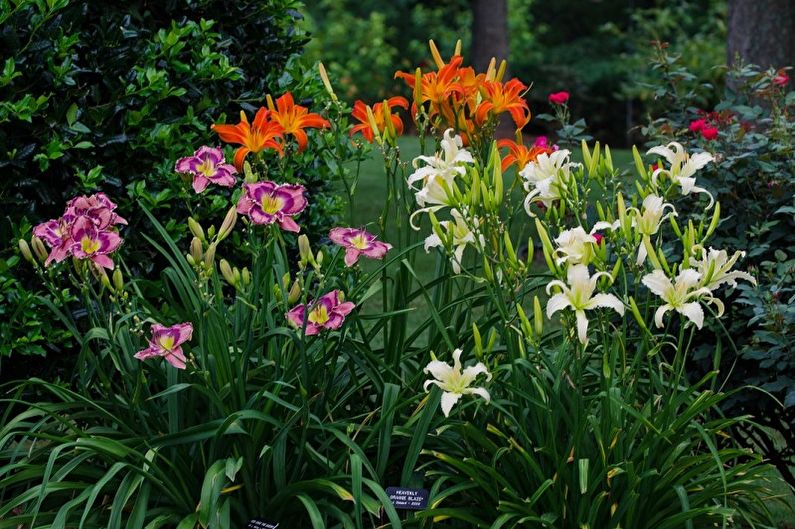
(437, 177)
(579, 296)
(576, 246)
(454, 382)
(460, 231)
(715, 269)
(648, 220)
(682, 295)
(683, 167)
(545, 177)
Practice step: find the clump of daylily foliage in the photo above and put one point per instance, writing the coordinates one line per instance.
(577, 424)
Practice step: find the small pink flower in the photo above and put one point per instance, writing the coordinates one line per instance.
(327, 312)
(166, 342)
(558, 98)
(781, 78)
(207, 165)
(697, 125)
(598, 237)
(88, 242)
(709, 133)
(541, 141)
(358, 242)
(56, 234)
(268, 202)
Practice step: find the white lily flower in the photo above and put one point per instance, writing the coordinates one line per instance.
(683, 168)
(682, 295)
(576, 246)
(454, 382)
(437, 177)
(578, 295)
(462, 235)
(715, 269)
(648, 220)
(545, 177)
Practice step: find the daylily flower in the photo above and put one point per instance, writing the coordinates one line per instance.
(255, 137)
(715, 266)
(455, 382)
(167, 342)
(648, 221)
(294, 119)
(268, 202)
(327, 312)
(98, 207)
(503, 97)
(437, 86)
(545, 177)
(358, 242)
(682, 295)
(438, 175)
(364, 127)
(558, 98)
(459, 234)
(683, 167)
(56, 234)
(578, 295)
(576, 246)
(88, 242)
(519, 154)
(207, 165)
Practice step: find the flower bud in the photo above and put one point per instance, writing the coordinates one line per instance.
(246, 276)
(211, 232)
(326, 81)
(478, 340)
(228, 224)
(24, 249)
(196, 249)
(39, 249)
(538, 317)
(196, 229)
(209, 257)
(118, 280)
(277, 292)
(305, 251)
(249, 176)
(190, 259)
(226, 272)
(374, 125)
(294, 294)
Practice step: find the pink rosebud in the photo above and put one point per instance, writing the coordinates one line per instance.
(207, 165)
(268, 202)
(167, 342)
(697, 125)
(558, 98)
(598, 237)
(709, 133)
(327, 312)
(358, 242)
(781, 78)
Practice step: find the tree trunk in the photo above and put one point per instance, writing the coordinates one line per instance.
(762, 32)
(489, 32)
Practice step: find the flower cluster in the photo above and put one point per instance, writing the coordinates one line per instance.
(86, 230)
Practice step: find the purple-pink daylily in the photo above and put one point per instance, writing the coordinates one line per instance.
(207, 165)
(167, 342)
(56, 234)
(89, 242)
(358, 242)
(327, 312)
(98, 207)
(268, 202)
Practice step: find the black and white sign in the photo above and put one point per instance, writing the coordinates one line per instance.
(256, 523)
(410, 499)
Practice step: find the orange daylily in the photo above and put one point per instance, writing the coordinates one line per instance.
(504, 97)
(295, 118)
(437, 86)
(255, 137)
(364, 127)
(520, 154)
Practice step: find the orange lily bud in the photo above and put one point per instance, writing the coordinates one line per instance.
(437, 58)
(326, 81)
(269, 101)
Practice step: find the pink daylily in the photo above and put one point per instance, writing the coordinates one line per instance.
(57, 235)
(327, 312)
(98, 207)
(268, 202)
(207, 165)
(88, 242)
(167, 342)
(358, 242)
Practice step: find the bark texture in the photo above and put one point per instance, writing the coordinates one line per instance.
(762, 32)
(489, 32)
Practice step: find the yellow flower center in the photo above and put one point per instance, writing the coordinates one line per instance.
(319, 315)
(359, 242)
(271, 204)
(207, 168)
(89, 245)
(167, 342)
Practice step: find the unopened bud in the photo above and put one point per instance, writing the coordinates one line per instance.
(326, 81)
(226, 272)
(24, 249)
(294, 294)
(118, 280)
(39, 249)
(104, 280)
(228, 224)
(196, 229)
(249, 176)
(196, 249)
(209, 257)
(538, 317)
(211, 232)
(246, 276)
(305, 251)
(190, 259)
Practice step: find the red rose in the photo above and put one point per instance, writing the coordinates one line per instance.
(709, 133)
(558, 98)
(697, 125)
